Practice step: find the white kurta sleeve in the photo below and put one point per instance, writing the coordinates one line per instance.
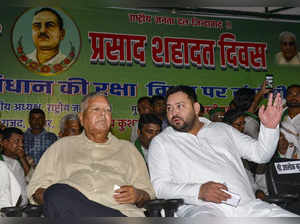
(161, 177)
(260, 150)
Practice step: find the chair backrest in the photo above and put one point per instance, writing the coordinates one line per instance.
(283, 176)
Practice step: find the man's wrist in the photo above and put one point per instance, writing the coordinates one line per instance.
(38, 195)
(142, 197)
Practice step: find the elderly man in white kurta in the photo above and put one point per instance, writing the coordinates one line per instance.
(197, 159)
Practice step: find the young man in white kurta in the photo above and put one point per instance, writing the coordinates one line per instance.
(182, 162)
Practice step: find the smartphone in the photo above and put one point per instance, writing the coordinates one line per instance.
(269, 80)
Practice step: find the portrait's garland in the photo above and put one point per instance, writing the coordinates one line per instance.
(37, 67)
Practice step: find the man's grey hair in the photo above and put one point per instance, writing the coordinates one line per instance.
(84, 101)
(67, 117)
(285, 34)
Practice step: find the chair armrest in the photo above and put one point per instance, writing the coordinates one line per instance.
(171, 206)
(154, 207)
(33, 210)
(282, 198)
(12, 211)
(23, 211)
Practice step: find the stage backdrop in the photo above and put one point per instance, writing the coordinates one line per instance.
(127, 54)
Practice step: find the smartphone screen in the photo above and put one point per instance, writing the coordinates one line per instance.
(269, 79)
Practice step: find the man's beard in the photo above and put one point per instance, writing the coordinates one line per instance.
(293, 104)
(187, 125)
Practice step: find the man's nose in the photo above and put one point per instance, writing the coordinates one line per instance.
(172, 112)
(101, 112)
(43, 28)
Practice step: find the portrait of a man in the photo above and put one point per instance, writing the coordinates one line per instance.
(48, 32)
(288, 54)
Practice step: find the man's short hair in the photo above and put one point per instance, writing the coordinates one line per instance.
(156, 98)
(244, 98)
(37, 111)
(85, 100)
(59, 18)
(148, 119)
(231, 115)
(7, 133)
(286, 34)
(189, 91)
(141, 99)
(67, 117)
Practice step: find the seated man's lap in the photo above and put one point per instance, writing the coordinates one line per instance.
(255, 208)
(64, 200)
(259, 208)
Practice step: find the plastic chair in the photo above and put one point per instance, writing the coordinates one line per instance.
(23, 211)
(170, 206)
(283, 183)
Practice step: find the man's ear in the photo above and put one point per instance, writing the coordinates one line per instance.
(80, 115)
(196, 108)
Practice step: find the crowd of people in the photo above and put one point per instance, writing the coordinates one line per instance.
(177, 149)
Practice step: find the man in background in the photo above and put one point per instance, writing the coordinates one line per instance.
(149, 127)
(144, 105)
(159, 109)
(15, 158)
(290, 124)
(69, 126)
(36, 138)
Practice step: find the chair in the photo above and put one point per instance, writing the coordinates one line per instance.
(170, 206)
(22, 211)
(153, 209)
(283, 183)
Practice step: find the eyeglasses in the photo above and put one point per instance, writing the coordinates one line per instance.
(288, 43)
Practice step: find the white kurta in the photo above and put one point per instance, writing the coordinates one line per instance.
(251, 127)
(9, 187)
(180, 162)
(18, 171)
(291, 129)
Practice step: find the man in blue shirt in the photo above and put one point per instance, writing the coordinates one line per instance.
(36, 138)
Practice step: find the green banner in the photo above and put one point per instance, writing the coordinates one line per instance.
(53, 55)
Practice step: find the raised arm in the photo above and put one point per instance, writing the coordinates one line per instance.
(258, 97)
